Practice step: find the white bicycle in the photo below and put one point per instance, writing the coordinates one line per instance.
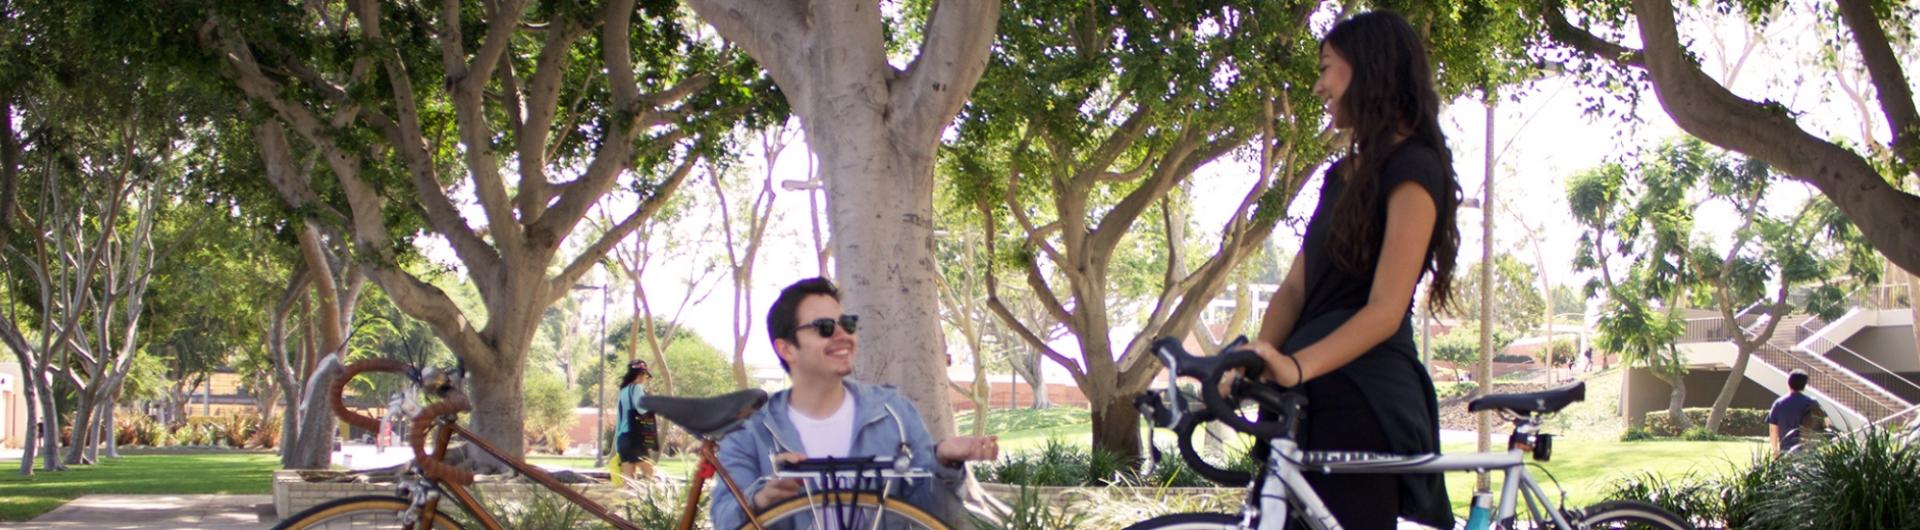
(1282, 495)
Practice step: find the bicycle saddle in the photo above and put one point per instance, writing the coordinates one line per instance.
(708, 418)
(1542, 402)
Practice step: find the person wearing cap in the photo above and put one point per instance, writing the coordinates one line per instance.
(637, 438)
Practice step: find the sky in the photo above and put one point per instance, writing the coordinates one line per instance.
(1542, 137)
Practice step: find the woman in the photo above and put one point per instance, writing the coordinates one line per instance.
(1338, 327)
(638, 435)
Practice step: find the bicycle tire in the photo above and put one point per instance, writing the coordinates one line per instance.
(1189, 521)
(895, 513)
(1629, 515)
(362, 512)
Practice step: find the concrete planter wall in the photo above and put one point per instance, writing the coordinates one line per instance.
(1062, 496)
(293, 493)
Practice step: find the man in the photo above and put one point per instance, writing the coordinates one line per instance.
(826, 414)
(1789, 413)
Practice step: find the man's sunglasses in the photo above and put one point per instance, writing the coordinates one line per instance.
(825, 326)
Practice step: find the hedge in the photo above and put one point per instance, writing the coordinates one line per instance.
(1739, 422)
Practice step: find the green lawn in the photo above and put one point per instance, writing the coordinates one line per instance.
(1587, 468)
(1587, 457)
(23, 498)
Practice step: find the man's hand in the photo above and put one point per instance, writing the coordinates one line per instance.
(778, 490)
(967, 448)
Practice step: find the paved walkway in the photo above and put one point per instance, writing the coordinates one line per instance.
(156, 512)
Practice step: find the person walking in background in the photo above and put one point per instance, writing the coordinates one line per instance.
(1788, 417)
(638, 437)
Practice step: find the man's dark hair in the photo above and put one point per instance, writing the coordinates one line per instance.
(1797, 380)
(781, 318)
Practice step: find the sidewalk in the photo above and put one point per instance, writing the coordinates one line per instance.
(155, 512)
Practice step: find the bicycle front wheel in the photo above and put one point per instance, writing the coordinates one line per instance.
(845, 510)
(371, 512)
(1629, 515)
(1189, 521)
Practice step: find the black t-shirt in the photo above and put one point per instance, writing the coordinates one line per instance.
(1394, 384)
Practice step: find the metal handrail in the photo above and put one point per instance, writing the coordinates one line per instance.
(1860, 402)
(1882, 422)
(1878, 366)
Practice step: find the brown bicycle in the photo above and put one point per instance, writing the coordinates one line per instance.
(843, 493)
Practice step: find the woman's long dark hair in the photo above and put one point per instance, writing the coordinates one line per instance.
(1391, 92)
(633, 372)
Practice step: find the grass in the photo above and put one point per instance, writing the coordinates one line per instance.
(678, 466)
(23, 498)
(1587, 468)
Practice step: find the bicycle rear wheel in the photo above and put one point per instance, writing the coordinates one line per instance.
(370, 512)
(1629, 515)
(1189, 521)
(854, 511)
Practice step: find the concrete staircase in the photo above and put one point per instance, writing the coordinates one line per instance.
(1863, 400)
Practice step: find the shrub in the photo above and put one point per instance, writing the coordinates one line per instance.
(1173, 471)
(1866, 480)
(1739, 422)
(1636, 434)
(1056, 464)
(1701, 434)
(236, 429)
(1030, 512)
(156, 435)
(1692, 497)
(1449, 390)
(549, 414)
(266, 435)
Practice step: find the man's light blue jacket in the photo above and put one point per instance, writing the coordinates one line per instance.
(882, 420)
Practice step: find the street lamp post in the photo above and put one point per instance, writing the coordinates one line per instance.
(600, 417)
(812, 187)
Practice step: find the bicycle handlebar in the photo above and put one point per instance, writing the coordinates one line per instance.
(452, 402)
(1212, 370)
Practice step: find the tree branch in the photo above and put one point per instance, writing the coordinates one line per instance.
(773, 33)
(542, 100)
(645, 211)
(953, 55)
(467, 83)
(1709, 111)
(1580, 39)
(1889, 80)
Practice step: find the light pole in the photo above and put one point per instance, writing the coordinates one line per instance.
(600, 417)
(812, 186)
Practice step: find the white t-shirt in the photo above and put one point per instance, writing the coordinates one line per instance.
(829, 436)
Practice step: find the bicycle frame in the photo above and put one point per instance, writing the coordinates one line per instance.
(1283, 485)
(431, 473)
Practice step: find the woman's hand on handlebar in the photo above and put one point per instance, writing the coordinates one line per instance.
(1282, 369)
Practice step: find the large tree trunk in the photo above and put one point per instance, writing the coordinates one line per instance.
(1116, 427)
(31, 392)
(83, 431)
(50, 428)
(1677, 400)
(882, 214)
(1725, 399)
(875, 129)
(499, 412)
